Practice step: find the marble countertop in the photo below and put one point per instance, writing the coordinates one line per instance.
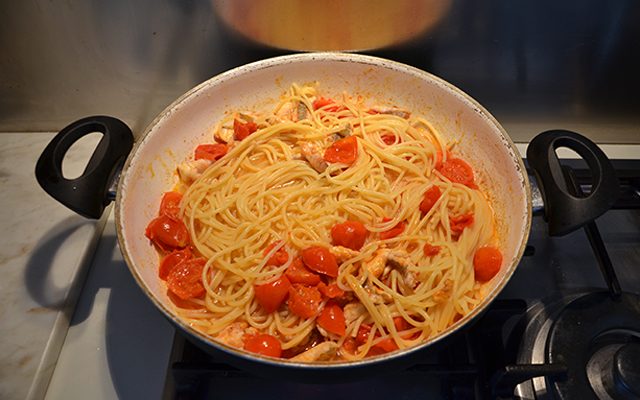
(44, 255)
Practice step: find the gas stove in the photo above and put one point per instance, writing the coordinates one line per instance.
(566, 326)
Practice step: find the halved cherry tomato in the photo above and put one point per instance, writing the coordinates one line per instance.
(400, 324)
(271, 295)
(351, 234)
(458, 171)
(170, 204)
(279, 258)
(393, 232)
(185, 279)
(389, 138)
(167, 233)
(320, 260)
(263, 344)
(431, 196)
(323, 103)
(363, 333)
(386, 346)
(458, 223)
(342, 151)
(304, 301)
(171, 260)
(243, 129)
(486, 263)
(430, 250)
(332, 319)
(211, 152)
(298, 273)
(331, 291)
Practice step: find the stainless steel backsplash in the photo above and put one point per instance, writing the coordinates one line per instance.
(534, 64)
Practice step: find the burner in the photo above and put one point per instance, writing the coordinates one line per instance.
(596, 337)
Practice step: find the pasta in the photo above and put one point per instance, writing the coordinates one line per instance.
(328, 229)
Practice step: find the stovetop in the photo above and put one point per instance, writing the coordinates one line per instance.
(144, 356)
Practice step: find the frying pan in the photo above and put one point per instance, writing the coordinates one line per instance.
(149, 170)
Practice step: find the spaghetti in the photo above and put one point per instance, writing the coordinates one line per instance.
(328, 229)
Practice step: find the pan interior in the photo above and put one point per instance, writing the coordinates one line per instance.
(171, 138)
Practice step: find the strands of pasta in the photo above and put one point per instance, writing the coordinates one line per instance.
(264, 191)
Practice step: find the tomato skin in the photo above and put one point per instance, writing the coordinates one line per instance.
(211, 152)
(393, 232)
(458, 171)
(385, 346)
(351, 234)
(167, 233)
(304, 301)
(342, 151)
(400, 324)
(263, 344)
(431, 196)
(486, 263)
(389, 138)
(185, 279)
(332, 319)
(320, 260)
(331, 291)
(170, 204)
(321, 102)
(171, 260)
(271, 295)
(298, 273)
(279, 258)
(430, 250)
(241, 130)
(363, 333)
(459, 223)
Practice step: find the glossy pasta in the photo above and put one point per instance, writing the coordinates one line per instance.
(275, 187)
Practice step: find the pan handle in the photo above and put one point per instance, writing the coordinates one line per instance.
(88, 194)
(563, 210)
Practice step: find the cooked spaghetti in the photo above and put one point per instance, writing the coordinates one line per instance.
(328, 229)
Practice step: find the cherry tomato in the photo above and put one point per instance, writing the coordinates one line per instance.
(243, 129)
(171, 260)
(458, 171)
(332, 320)
(486, 263)
(363, 333)
(298, 273)
(458, 223)
(211, 152)
(385, 346)
(304, 301)
(342, 151)
(326, 104)
(331, 291)
(185, 279)
(170, 204)
(400, 324)
(351, 234)
(431, 196)
(263, 344)
(167, 233)
(320, 260)
(279, 258)
(271, 295)
(393, 232)
(349, 345)
(430, 250)
(389, 138)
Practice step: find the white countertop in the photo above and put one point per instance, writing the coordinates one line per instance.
(44, 252)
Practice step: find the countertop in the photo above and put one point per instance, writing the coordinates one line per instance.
(44, 254)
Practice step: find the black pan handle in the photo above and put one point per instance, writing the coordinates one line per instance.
(565, 212)
(87, 194)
